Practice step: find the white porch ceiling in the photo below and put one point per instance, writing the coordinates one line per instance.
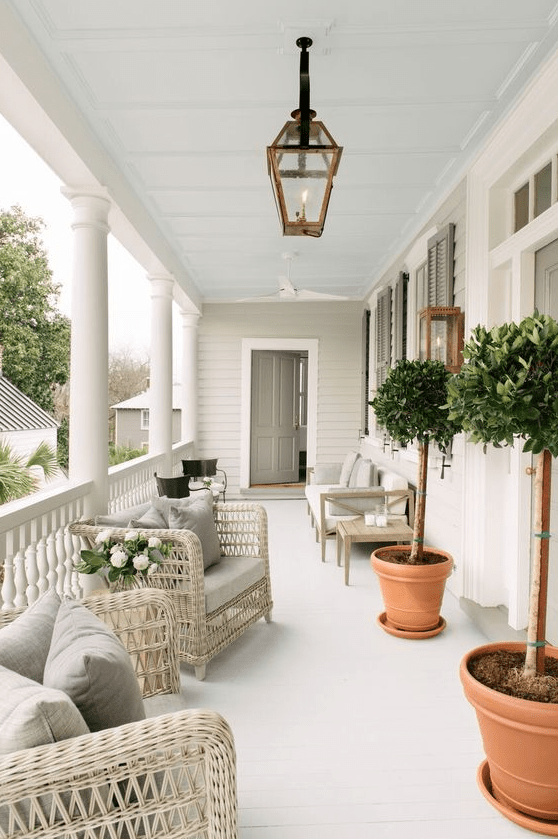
(183, 98)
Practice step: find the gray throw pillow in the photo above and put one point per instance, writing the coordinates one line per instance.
(347, 467)
(33, 715)
(25, 642)
(88, 662)
(197, 516)
(122, 517)
(151, 519)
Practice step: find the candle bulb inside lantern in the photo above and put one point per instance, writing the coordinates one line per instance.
(304, 197)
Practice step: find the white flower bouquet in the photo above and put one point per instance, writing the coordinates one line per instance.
(128, 560)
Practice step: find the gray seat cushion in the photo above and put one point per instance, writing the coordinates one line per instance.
(229, 578)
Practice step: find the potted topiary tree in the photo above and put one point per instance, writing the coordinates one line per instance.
(508, 389)
(410, 404)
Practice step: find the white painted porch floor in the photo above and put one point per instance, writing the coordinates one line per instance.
(342, 730)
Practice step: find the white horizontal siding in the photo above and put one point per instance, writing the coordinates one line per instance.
(336, 327)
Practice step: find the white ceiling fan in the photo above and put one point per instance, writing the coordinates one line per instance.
(289, 293)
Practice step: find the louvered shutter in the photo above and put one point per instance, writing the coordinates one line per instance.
(365, 418)
(440, 268)
(400, 317)
(383, 335)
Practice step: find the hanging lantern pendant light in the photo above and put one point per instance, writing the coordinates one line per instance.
(302, 162)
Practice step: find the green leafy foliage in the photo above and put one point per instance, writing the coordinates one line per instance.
(120, 454)
(16, 476)
(508, 385)
(35, 337)
(411, 403)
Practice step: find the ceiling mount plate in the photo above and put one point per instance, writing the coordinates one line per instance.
(317, 30)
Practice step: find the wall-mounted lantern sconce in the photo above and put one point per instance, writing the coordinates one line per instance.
(441, 336)
(302, 162)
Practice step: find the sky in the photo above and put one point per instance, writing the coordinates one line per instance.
(26, 180)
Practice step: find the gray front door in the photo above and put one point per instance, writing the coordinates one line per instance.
(546, 300)
(274, 452)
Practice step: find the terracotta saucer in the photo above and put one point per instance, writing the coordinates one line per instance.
(548, 828)
(406, 633)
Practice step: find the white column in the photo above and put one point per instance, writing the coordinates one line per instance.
(160, 371)
(189, 391)
(89, 347)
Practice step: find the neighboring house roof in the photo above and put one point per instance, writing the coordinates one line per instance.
(18, 412)
(143, 400)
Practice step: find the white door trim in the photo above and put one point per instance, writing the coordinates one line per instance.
(309, 345)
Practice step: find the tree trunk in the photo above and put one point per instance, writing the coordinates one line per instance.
(536, 631)
(418, 530)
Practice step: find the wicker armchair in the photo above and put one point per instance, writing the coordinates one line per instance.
(172, 775)
(203, 633)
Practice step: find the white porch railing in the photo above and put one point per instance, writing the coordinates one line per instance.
(37, 551)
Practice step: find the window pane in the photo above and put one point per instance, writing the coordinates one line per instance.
(542, 189)
(522, 207)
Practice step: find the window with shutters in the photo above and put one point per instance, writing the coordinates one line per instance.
(365, 419)
(400, 317)
(383, 335)
(439, 289)
(144, 424)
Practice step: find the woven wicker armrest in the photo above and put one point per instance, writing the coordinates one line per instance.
(171, 775)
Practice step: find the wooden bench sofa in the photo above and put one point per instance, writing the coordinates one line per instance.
(337, 491)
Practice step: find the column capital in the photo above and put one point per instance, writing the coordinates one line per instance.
(91, 208)
(190, 319)
(162, 285)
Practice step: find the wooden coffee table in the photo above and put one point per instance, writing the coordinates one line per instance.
(355, 530)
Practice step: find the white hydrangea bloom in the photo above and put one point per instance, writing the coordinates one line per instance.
(154, 542)
(152, 568)
(141, 562)
(118, 547)
(130, 536)
(104, 534)
(118, 559)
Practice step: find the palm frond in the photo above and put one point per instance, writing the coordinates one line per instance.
(45, 457)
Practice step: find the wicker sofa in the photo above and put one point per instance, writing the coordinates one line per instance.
(341, 491)
(169, 775)
(214, 606)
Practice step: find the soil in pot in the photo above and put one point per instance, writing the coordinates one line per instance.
(502, 670)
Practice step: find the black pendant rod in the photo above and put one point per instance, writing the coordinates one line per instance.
(304, 101)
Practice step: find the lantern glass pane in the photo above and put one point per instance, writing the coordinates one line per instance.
(304, 178)
(439, 340)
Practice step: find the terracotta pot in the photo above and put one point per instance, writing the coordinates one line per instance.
(412, 593)
(520, 740)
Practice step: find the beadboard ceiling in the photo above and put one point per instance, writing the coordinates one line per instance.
(182, 98)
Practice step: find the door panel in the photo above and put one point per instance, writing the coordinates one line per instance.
(274, 436)
(546, 301)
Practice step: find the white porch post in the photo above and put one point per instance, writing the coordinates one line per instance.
(89, 347)
(189, 390)
(160, 372)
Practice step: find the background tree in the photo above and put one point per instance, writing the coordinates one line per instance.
(34, 335)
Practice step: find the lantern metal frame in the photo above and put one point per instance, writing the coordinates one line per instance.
(446, 343)
(301, 142)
